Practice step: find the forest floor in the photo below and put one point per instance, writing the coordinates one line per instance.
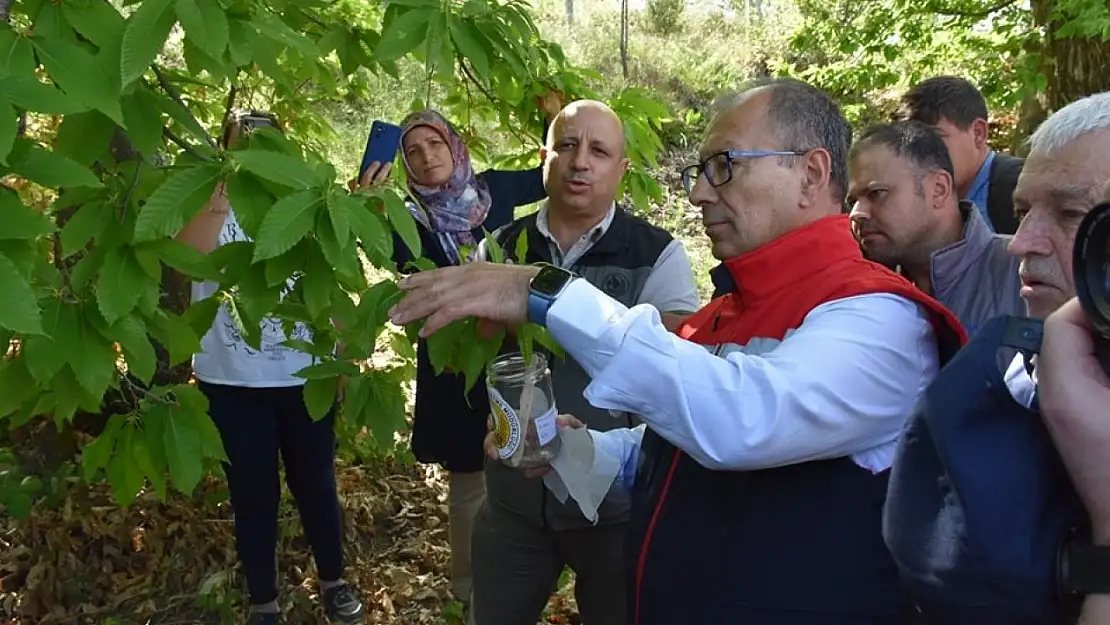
(84, 560)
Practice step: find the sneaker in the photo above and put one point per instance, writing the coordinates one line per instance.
(342, 605)
(264, 618)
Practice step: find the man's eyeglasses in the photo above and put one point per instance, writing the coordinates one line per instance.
(718, 168)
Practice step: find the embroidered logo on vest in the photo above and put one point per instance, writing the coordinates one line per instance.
(615, 284)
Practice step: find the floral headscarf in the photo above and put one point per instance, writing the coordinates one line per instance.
(461, 204)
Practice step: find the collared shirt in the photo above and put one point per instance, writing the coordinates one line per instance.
(980, 189)
(670, 287)
(835, 387)
(1021, 383)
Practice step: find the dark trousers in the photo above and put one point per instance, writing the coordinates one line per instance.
(257, 424)
(517, 565)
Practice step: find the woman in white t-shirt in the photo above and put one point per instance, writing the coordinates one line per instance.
(257, 404)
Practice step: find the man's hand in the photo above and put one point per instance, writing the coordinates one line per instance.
(490, 444)
(489, 291)
(1074, 396)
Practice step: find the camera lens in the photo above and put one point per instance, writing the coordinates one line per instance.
(1091, 266)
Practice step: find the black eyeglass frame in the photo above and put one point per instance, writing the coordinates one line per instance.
(691, 173)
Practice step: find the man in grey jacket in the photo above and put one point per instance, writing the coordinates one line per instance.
(906, 213)
(523, 536)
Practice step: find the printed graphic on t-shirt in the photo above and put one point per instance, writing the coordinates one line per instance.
(273, 334)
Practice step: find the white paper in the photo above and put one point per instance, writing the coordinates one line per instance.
(582, 472)
(546, 426)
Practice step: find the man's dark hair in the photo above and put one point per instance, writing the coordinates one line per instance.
(806, 118)
(944, 97)
(920, 143)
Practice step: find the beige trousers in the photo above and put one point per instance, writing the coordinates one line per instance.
(466, 492)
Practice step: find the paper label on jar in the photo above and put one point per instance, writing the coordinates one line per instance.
(546, 426)
(506, 425)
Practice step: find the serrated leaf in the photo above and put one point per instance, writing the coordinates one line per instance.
(273, 27)
(44, 357)
(374, 233)
(124, 475)
(185, 119)
(16, 54)
(444, 345)
(187, 260)
(192, 20)
(250, 201)
(144, 37)
(319, 396)
(145, 463)
(138, 352)
(215, 21)
(184, 451)
(403, 34)
(144, 121)
(92, 358)
(316, 284)
(80, 75)
(328, 369)
(19, 308)
(177, 199)
(200, 315)
(385, 408)
(96, 454)
(28, 93)
(83, 137)
(338, 211)
(117, 286)
(87, 223)
(175, 334)
(97, 21)
(276, 167)
(466, 38)
(51, 169)
(286, 224)
(403, 222)
(21, 222)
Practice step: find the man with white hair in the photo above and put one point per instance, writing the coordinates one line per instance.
(1064, 176)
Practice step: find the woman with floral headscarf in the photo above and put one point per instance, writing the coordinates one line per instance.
(454, 208)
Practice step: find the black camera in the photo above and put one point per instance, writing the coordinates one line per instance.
(1091, 270)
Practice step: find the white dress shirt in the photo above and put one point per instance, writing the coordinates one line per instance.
(841, 384)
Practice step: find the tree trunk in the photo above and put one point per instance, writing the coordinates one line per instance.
(569, 4)
(624, 38)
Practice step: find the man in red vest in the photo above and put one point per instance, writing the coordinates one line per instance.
(772, 413)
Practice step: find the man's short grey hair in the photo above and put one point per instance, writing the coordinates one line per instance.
(1082, 117)
(805, 118)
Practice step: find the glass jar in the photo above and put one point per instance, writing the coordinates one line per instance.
(523, 406)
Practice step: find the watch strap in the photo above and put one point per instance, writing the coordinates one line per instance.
(1085, 569)
(538, 305)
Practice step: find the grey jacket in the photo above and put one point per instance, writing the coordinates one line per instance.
(976, 278)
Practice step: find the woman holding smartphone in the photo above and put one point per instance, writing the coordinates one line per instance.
(258, 406)
(454, 208)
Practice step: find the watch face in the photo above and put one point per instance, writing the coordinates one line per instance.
(549, 281)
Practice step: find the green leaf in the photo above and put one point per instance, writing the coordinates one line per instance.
(16, 385)
(28, 93)
(276, 167)
(385, 406)
(403, 222)
(51, 169)
(9, 128)
(138, 352)
(444, 344)
(144, 121)
(117, 286)
(16, 55)
(271, 26)
(187, 260)
(192, 20)
(184, 450)
(96, 454)
(494, 253)
(401, 35)
(124, 475)
(88, 222)
(19, 308)
(80, 75)
(44, 357)
(175, 334)
(374, 233)
(328, 369)
(251, 201)
(21, 222)
(215, 21)
(338, 211)
(92, 358)
(84, 136)
(521, 251)
(146, 464)
(319, 396)
(144, 37)
(97, 21)
(467, 40)
(200, 315)
(178, 199)
(288, 222)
